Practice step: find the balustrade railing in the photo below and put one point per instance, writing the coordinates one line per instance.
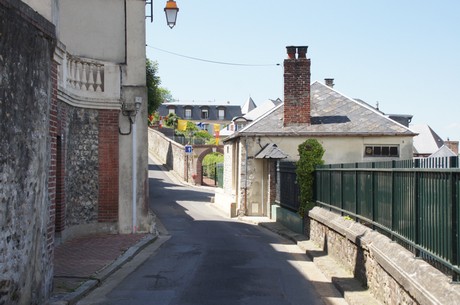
(86, 82)
(84, 75)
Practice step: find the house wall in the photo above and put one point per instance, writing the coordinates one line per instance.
(344, 149)
(96, 32)
(251, 193)
(27, 99)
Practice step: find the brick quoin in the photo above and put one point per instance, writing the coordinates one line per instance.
(296, 87)
(62, 121)
(108, 166)
(53, 159)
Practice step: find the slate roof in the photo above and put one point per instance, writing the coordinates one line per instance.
(231, 111)
(263, 108)
(444, 151)
(248, 106)
(427, 141)
(332, 114)
(271, 151)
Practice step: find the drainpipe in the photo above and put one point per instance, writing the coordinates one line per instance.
(246, 177)
(134, 179)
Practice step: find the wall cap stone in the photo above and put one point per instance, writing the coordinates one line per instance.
(416, 276)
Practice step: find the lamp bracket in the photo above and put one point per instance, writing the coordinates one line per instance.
(147, 2)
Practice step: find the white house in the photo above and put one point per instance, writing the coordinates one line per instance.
(348, 130)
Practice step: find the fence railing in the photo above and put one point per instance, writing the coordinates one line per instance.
(413, 203)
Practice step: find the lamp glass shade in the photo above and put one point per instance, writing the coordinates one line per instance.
(171, 10)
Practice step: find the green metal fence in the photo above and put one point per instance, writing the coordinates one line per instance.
(415, 202)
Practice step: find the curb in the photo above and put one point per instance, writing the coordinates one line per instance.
(96, 279)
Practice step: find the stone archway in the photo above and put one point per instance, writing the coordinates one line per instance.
(199, 161)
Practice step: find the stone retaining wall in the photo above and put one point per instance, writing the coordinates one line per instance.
(168, 152)
(27, 42)
(391, 272)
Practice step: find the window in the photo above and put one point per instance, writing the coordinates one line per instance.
(204, 113)
(188, 113)
(221, 114)
(240, 125)
(381, 151)
(171, 110)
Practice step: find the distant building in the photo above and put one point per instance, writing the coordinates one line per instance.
(206, 114)
(429, 144)
(240, 122)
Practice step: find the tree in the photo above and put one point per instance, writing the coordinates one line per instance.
(171, 120)
(155, 94)
(311, 153)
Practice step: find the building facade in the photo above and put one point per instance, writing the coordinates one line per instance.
(348, 131)
(73, 149)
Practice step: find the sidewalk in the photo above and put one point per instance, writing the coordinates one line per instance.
(82, 263)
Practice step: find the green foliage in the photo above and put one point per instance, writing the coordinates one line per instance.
(203, 134)
(155, 94)
(213, 158)
(189, 131)
(153, 83)
(171, 120)
(311, 153)
(212, 141)
(209, 161)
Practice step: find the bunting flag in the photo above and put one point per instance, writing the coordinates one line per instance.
(217, 132)
(181, 125)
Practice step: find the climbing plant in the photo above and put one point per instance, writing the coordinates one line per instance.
(311, 153)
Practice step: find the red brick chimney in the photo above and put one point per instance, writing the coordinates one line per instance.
(453, 145)
(296, 87)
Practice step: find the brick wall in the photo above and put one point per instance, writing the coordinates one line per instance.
(296, 87)
(108, 166)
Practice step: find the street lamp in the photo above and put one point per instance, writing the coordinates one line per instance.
(171, 10)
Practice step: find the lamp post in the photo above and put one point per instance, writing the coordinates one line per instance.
(171, 10)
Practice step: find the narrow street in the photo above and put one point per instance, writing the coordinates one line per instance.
(202, 257)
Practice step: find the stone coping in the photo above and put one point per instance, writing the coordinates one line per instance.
(423, 282)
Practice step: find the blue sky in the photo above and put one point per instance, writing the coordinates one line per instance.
(405, 55)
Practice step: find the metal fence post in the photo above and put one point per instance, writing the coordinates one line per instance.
(417, 208)
(454, 210)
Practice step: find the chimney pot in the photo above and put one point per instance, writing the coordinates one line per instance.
(302, 51)
(291, 52)
(329, 82)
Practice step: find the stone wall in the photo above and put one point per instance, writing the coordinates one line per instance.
(87, 170)
(82, 166)
(168, 152)
(27, 44)
(391, 272)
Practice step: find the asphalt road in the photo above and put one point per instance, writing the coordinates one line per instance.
(205, 258)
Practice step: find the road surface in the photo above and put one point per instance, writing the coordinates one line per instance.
(204, 258)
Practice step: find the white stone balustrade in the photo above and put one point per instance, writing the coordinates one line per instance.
(84, 75)
(86, 82)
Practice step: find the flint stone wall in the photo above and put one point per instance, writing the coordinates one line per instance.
(27, 44)
(80, 132)
(391, 272)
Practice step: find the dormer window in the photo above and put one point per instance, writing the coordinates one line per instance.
(188, 112)
(221, 113)
(171, 110)
(204, 113)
